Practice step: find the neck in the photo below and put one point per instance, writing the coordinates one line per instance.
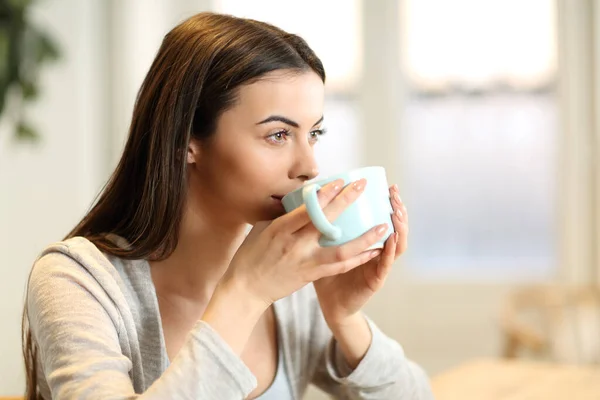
(207, 243)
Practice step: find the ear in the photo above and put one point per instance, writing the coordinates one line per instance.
(193, 152)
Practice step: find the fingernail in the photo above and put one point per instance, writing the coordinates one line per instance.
(381, 229)
(375, 253)
(359, 185)
(397, 198)
(337, 186)
(399, 213)
(396, 237)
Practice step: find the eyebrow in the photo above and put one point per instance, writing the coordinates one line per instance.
(287, 121)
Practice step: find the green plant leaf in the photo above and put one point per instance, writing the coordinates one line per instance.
(19, 4)
(49, 49)
(26, 132)
(29, 90)
(24, 49)
(4, 54)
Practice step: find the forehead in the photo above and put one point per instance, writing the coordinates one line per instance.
(298, 96)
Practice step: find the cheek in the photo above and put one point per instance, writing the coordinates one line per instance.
(248, 182)
(262, 171)
(252, 170)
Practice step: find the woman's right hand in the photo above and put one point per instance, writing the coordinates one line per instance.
(281, 256)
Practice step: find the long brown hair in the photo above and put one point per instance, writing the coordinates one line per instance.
(194, 78)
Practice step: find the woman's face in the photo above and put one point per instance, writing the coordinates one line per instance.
(262, 148)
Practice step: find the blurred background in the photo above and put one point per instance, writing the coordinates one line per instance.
(485, 112)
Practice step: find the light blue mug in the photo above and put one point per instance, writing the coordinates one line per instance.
(373, 207)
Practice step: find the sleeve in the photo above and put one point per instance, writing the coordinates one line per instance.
(383, 374)
(76, 327)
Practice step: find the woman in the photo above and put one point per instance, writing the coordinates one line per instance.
(159, 293)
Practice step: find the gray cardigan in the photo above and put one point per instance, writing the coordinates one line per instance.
(96, 323)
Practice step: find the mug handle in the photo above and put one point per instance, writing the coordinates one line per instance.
(318, 218)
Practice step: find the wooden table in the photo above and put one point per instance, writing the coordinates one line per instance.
(517, 380)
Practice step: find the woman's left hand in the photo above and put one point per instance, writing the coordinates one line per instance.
(342, 296)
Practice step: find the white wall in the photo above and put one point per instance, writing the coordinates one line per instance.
(46, 188)
(135, 30)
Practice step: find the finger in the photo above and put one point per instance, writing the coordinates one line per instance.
(344, 266)
(402, 244)
(397, 204)
(298, 218)
(397, 220)
(404, 214)
(335, 254)
(387, 257)
(342, 201)
(397, 215)
(400, 220)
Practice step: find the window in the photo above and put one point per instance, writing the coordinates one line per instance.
(478, 130)
(479, 137)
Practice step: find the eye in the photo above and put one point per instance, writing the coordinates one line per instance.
(279, 136)
(314, 135)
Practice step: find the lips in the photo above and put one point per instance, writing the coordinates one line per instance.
(279, 197)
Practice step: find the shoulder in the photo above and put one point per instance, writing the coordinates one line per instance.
(76, 267)
(72, 258)
(78, 255)
(74, 276)
(71, 282)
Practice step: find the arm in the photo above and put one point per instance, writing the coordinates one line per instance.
(353, 338)
(233, 314)
(383, 373)
(80, 336)
(358, 364)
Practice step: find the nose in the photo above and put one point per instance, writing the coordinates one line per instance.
(305, 166)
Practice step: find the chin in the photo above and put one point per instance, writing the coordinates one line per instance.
(277, 214)
(268, 214)
(263, 211)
